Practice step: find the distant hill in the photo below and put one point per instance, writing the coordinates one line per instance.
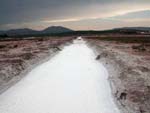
(56, 29)
(2, 32)
(62, 31)
(19, 32)
(134, 28)
(30, 32)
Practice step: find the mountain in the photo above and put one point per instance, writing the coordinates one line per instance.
(30, 32)
(134, 28)
(2, 32)
(59, 30)
(16, 32)
(56, 29)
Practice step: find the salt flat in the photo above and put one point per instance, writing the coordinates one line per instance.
(71, 82)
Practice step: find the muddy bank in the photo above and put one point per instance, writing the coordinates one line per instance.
(18, 57)
(129, 70)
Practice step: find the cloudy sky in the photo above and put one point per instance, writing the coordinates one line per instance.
(74, 14)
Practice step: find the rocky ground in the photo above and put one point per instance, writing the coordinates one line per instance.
(128, 65)
(17, 57)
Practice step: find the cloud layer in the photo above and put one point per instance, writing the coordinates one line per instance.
(77, 14)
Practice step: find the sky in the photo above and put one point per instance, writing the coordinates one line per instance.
(74, 14)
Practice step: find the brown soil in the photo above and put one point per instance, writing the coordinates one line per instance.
(19, 56)
(128, 65)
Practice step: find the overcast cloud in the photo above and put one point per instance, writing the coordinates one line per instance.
(39, 14)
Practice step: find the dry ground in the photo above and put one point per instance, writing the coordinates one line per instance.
(128, 64)
(18, 56)
(127, 61)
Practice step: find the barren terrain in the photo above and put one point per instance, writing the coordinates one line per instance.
(17, 57)
(127, 61)
(128, 64)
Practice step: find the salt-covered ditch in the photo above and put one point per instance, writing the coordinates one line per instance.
(71, 82)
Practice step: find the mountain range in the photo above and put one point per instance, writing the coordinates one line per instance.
(55, 30)
(134, 28)
(27, 31)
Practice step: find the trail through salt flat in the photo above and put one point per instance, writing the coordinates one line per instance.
(71, 82)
